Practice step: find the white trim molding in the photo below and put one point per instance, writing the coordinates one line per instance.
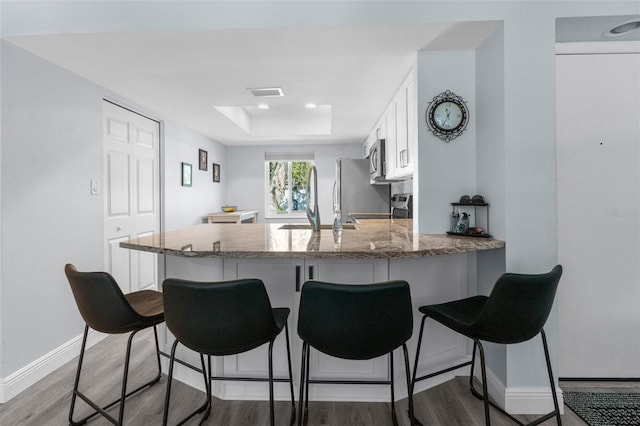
(523, 400)
(35, 371)
(532, 400)
(597, 47)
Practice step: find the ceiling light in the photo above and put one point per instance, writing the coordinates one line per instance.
(623, 29)
(311, 106)
(267, 92)
(263, 106)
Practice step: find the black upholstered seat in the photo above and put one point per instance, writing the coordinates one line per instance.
(106, 309)
(514, 312)
(223, 318)
(356, 322)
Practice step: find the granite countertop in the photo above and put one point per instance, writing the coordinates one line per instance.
(372, 238)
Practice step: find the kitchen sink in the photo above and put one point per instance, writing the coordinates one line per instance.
(308, 226)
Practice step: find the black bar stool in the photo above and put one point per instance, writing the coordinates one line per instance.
(515, 311)
(357, 322)
(106, 309)
(223, 318)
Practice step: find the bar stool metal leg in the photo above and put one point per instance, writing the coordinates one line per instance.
(292, 420)
(412, 419)
(207, 384)
(123, 392)
(487, 402)
(394, 417)
(303, 402)
(271, 407)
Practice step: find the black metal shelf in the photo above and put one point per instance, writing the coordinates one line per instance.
(469, 234)
(474, 205)
(471, 204)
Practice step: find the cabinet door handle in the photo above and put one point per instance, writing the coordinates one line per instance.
(297, 278)
(310, 272)
(403, 157)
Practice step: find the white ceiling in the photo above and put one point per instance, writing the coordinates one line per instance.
(183, 76)
(352, 71)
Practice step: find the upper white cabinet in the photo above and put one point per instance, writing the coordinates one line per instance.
(371, 139)
(390, 140)
(401, 154)
(398, 127)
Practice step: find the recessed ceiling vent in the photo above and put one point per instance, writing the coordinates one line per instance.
(267, 92)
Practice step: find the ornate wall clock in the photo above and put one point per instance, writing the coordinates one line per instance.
(447, 115)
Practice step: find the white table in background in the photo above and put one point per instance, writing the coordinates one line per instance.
(233, 217)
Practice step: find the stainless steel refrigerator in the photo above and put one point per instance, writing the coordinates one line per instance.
(353, 193)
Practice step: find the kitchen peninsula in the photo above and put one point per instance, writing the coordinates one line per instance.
(371, 238)
(284, 256)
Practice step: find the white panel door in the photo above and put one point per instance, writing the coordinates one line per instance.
(598, 143)
(131, 194)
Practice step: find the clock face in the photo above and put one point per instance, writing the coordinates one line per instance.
(447, 116)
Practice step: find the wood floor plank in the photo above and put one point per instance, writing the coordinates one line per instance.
(47, 402)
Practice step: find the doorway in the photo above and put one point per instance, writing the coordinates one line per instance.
(598, 111)
(131, 194)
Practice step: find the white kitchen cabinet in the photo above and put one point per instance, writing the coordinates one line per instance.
(405, 125)
(280, 279)
(398, 126)
(433, 279)
(370, 141)
(382, 124)
(390, 140)
(283, 278)
(408, 159)
(322, 366)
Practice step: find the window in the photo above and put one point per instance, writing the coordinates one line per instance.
(286, 184)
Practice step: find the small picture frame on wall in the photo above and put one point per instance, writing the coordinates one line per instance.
(216, 172)
(203, 159)
(186, 174)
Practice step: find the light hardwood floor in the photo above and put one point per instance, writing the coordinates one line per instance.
(47, 402)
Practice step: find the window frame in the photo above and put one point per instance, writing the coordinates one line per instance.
(287, 158)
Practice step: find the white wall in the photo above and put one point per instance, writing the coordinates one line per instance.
(490, 171)
(245, 174)
(51, 148)
(447, 169)
(187, 206)
(489, 122)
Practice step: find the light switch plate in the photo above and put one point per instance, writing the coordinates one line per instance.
(95, 187)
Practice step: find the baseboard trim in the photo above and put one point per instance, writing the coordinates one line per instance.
(19, 381)
(522, 400)
(599, 379)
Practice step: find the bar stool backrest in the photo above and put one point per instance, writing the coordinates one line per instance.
(518, 307)
(100, 301)
(219, 318)
(355, 321)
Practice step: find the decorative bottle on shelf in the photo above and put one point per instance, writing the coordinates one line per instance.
(462, 226)
(454, 220)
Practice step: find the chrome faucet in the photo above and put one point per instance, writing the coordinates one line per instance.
(313, 215)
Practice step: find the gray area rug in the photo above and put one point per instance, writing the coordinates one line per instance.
(605, 409)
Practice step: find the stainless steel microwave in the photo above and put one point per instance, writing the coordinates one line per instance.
(376, 160)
